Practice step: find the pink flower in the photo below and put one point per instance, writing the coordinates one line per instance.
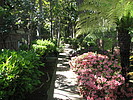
(97, 74)
(91, 75)
(101, 79)
(106, 66)
(129, 94)
(130, 89)
(90, 98)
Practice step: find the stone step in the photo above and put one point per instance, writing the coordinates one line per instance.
(66, 83)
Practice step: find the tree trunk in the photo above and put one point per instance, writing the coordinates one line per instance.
(124, 43)
(59, 32)
(40, 19)
(51, 20)
(73, 30)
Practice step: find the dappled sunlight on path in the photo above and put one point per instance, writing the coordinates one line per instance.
(65, 84)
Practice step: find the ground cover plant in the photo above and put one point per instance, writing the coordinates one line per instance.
(99, 77)
(19, 74)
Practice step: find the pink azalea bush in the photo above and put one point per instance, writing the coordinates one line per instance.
(99, 76)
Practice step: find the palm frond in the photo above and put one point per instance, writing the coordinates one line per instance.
(96, 14)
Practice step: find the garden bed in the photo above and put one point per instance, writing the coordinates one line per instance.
(45, 90)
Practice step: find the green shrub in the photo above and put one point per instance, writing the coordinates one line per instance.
(44, 47)
(19, 74)
(41, 50)
(23, 47)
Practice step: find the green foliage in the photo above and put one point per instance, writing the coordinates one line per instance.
(131, 62)
(100, 19)
(1, 11)
(102, 15)
(44, 47)
(100, 11)
(73, 41)
(60, 48)
(23, 47)
(64, 15)
(19, 74)
(109, 38)
(17, 15)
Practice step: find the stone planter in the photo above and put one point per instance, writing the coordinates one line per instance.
(51, 62)
(45, 90)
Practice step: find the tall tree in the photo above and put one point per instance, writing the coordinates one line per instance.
(63, 16)
(100, 14)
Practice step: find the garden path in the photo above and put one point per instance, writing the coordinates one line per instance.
(65, 83)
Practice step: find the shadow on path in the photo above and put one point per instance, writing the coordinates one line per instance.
(65, 83)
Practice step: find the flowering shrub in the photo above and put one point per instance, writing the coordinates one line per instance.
(98, 76)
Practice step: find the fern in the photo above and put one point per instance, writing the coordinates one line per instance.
(102, 13)
(99, 16)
